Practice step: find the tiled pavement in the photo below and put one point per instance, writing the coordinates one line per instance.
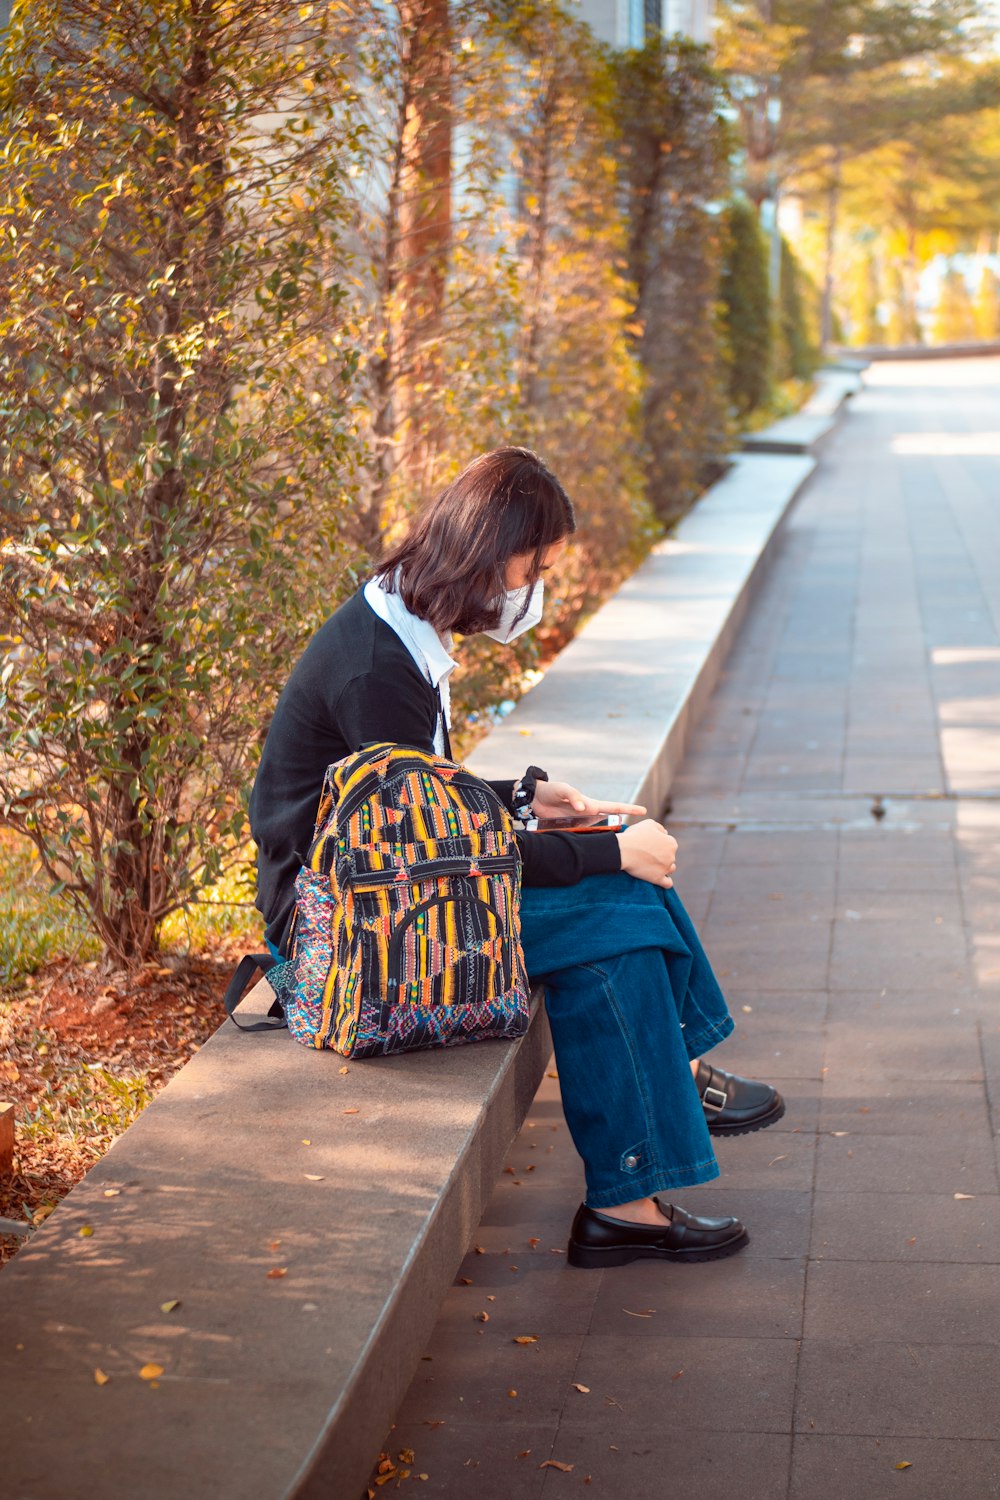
(861, 957)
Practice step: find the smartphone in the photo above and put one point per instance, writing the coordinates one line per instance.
(577, 823)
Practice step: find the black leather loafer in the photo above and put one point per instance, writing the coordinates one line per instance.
(736, 1106)
(598, 1240)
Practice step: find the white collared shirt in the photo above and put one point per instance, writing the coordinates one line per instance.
(427, 648)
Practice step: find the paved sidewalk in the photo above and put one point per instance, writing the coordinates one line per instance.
(861, 957)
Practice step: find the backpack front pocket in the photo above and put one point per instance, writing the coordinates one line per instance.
(445, 948)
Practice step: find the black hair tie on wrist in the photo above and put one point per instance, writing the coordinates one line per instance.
(525, 789)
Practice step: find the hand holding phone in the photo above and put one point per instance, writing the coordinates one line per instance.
(577, 823)
(576, 811)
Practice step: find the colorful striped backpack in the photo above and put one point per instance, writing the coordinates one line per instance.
(407, 926)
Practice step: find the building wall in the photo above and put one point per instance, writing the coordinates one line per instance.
(624, 23)
(691, 18)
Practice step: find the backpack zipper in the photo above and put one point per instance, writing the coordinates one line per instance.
(431, 869)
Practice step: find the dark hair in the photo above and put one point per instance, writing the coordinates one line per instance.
(450, 567)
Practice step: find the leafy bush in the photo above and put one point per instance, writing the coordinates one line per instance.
(579, 380)
(798, 320)
(172, 199)
(673, 157)
(954, 316)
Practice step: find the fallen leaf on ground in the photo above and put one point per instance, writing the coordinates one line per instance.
(526, 1338)
(166, 1307)
(748, 1010)
(648, 1313)
(465, 1280)
(483, 1317)
(344, 1070)
(583, 1389)
(312, 1177)
(100, 1378)
(533, 1242)
(677, 1375)
(512, 1394)
(305, 1142)
(351, 1111)
(904, 1463)
(524, 1453)
(150, 1372)
(776, 1158)
(87, 1230)
(479, 1249)
(112, 1192)
(553, 1463)
(958, 1199)
(838, 1132)
(438, 1423)
(277, 1271)
(406, 1456)
(552, 1075)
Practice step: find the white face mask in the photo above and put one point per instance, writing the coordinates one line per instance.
(510, 627)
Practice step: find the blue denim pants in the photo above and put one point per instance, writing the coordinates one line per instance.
(631, 999)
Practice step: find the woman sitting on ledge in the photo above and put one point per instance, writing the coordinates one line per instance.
(631, 997)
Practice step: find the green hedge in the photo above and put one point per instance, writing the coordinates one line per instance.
(797, 353)
(746, 309)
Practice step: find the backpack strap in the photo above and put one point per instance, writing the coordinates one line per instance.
(246, 967)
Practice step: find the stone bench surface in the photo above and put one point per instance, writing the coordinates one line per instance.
(276, 1387)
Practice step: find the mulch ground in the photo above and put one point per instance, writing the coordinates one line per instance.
(81, 1053)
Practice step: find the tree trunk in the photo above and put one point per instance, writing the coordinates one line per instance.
(424, 208)
(912, 330)
(832, 210)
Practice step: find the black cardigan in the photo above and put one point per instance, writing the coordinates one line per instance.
(356, 683)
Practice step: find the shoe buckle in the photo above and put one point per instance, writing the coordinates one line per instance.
(716, 1099)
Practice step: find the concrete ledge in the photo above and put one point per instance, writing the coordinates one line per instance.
(970, 350)
(281, 1387)
(805, 430)
(271, 1386)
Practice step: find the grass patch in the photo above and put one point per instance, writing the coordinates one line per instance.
(82, 1102)
(37, 927)
(223, 916)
